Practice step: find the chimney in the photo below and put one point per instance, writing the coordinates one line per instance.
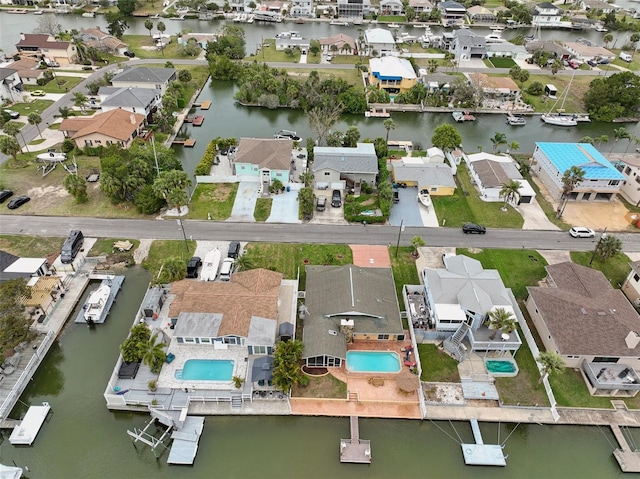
(22, 37)
(632, 339)
(132, 117)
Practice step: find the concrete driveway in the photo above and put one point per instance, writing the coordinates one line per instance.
(284, 208)
(245, 202)
(534, 217)
(410, 211)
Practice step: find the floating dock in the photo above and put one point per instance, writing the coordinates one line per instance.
(481, 454)
(30, 425)
(205, 105)
(115, 283)
(355, 449)
(197, 120)
(628, 459)
(188, 143)
(185, 441)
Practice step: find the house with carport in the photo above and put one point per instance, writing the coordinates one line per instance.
(602, 181)
(453, 306)
(118, 127)
(490, 172)
(344, 166)
(591, 325)
(392, 74)
(452, 13)
(264, 159)
(347, 304)
(547, 14)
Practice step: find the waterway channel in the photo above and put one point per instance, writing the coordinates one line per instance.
(82, 439)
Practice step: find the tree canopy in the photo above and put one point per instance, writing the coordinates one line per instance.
(615, 96)
(446, 137)
(14, 324)
(230, 44)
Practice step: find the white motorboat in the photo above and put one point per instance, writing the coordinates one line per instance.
(461, 116)
(424, 198)
(514, 120)
(94, 307)
(494, 37)
(210, 264)
(601, 28)
(287, 135)
(89, 14)
(558, 119)
(52, 156)
(339, 23)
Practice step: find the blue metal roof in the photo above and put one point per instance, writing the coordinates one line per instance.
(565, 155)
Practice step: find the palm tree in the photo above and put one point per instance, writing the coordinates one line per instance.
(153, 353)
(417, 242)
(571, 178)
(286, 370)
(608, 247)
(389, 125)
(587, 139)
(551, 363)
(619, 134)
(513, 147)
(9, 146)
(602, 139)
(608, 38)
(148, 24)
(498, 139)
(243, 263)
(35, 119)
(80, 100)
(500, 319)
(510, 191)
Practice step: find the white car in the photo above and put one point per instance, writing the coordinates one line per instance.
(329, 58)
(582, 232)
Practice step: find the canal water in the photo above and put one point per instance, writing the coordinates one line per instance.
(82, 439)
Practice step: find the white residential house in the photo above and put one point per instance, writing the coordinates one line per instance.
(301, 8)
(631, 285)
(547, 14)
(452, 13)
(629, 166)
(349, 166)
(143, 101)
(467, 45)
(489, 172)
(380, 40)
(10, 85)
(354, 8)
(585, 50)
(391, 7)
(421, 6)
(145, 77)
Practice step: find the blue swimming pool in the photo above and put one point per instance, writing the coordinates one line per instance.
(373, 362)
(206, 370)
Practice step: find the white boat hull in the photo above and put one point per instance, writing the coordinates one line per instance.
(94, 307)
(210, 265)
(424, 199)
(559, 120)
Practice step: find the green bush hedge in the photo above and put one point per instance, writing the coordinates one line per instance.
(204, 167)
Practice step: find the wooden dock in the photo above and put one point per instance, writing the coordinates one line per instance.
(205, 105)
(628, 459)
(197, 120)
(355, 449)
(188, 143)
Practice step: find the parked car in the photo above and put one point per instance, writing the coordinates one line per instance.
(329, 58)
(574, 64)
(14, 115)
(192, 267)
(17, 202)
(129, 54)
(234, 249)
(604, 61)
(4, 194)
(38, 93)
(592, 63)
(321, 203)
(226, 270)
(627, 57)
(336, 199)
(473, 228)
(582, 232)
(396, 197)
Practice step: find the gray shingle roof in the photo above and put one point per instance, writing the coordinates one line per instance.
(584, 314)
(428, 175)
(266, 153)
(361, 159)
(145, 75)
(494, 173)
(136, 97)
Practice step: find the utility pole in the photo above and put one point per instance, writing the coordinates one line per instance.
(399, 233)
(593, 255)
(184, 235)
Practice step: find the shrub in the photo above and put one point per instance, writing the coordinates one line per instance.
(204, 167)
(536, 88)
(366, 188)
(147, 202)
(68, 145)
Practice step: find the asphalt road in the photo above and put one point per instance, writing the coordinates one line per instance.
(301, 233)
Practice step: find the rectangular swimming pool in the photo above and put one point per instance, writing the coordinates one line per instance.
(206, 370)
(373, 362)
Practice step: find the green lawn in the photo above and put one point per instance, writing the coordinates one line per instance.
(327, 386)
(461, 208)
(573, 103)
(37, 141)
(61, 84)
(501, 62)
(144, 47)
(31, 246)
(268, 53)
(215, 199)
(289, 259)
(391, 18)
(615, 269)
(162, 249)
(404, 270)
(350, 75)
(104, 246)
(35, 106)
(263, 209)
(436, 365)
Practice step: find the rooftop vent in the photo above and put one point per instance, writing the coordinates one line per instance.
(333, 333)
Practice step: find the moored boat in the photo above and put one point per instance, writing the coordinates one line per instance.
(210, 264)
(461, 116)
(557, 119)
(287, 135)
(94, 307)
(514, 120)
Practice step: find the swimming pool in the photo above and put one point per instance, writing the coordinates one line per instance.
(373, 362)
(501, 367)
(206, 370)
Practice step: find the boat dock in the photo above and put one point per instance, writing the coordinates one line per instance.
(205, 105)
(481, 454)
(628, 459)
(26, 432)
(377, 113)
(355, 449)
(197, 120)
(188, 143)
(115, 283)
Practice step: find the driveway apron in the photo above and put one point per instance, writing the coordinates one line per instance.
(245, 202)
(407, 209)
(284, 208)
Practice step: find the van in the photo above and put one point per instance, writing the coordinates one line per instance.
(226, 269)
(234, 249)
(71, 246)
(627, 57)
(336, 199)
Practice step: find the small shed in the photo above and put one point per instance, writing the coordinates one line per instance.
(550, 90)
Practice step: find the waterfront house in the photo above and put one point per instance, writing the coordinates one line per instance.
(489, 173)
(145, 77)
(144, 101)
(604, 7)
(436, 82)
(292, 42)
(354, 8)
(507, 50)
(263, 159)
(29, 72)
(340, 43)
(629, 166)
(350, 166)
(10, 85)
(14, 267)
(481, 15)
(452, 13)
(347, 304)
(503, 87)
(436, 178)
(301, 8)
(200, 38)
(43, 46)
(421, 6)
(102, 41)
(547, 15)
(466, 45)
(554, 49)
(631, 285)
(454, 304)
(391, 7)
(380, 41)
(393, 74)
(585, 50)
(591, 325)
(118, 127)
(601, 180)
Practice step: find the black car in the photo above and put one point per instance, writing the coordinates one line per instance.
(17, 202)
(129, 54)
(4, 194)
(473, 228)
(336, 199)
(234, 249)
(192, 267)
